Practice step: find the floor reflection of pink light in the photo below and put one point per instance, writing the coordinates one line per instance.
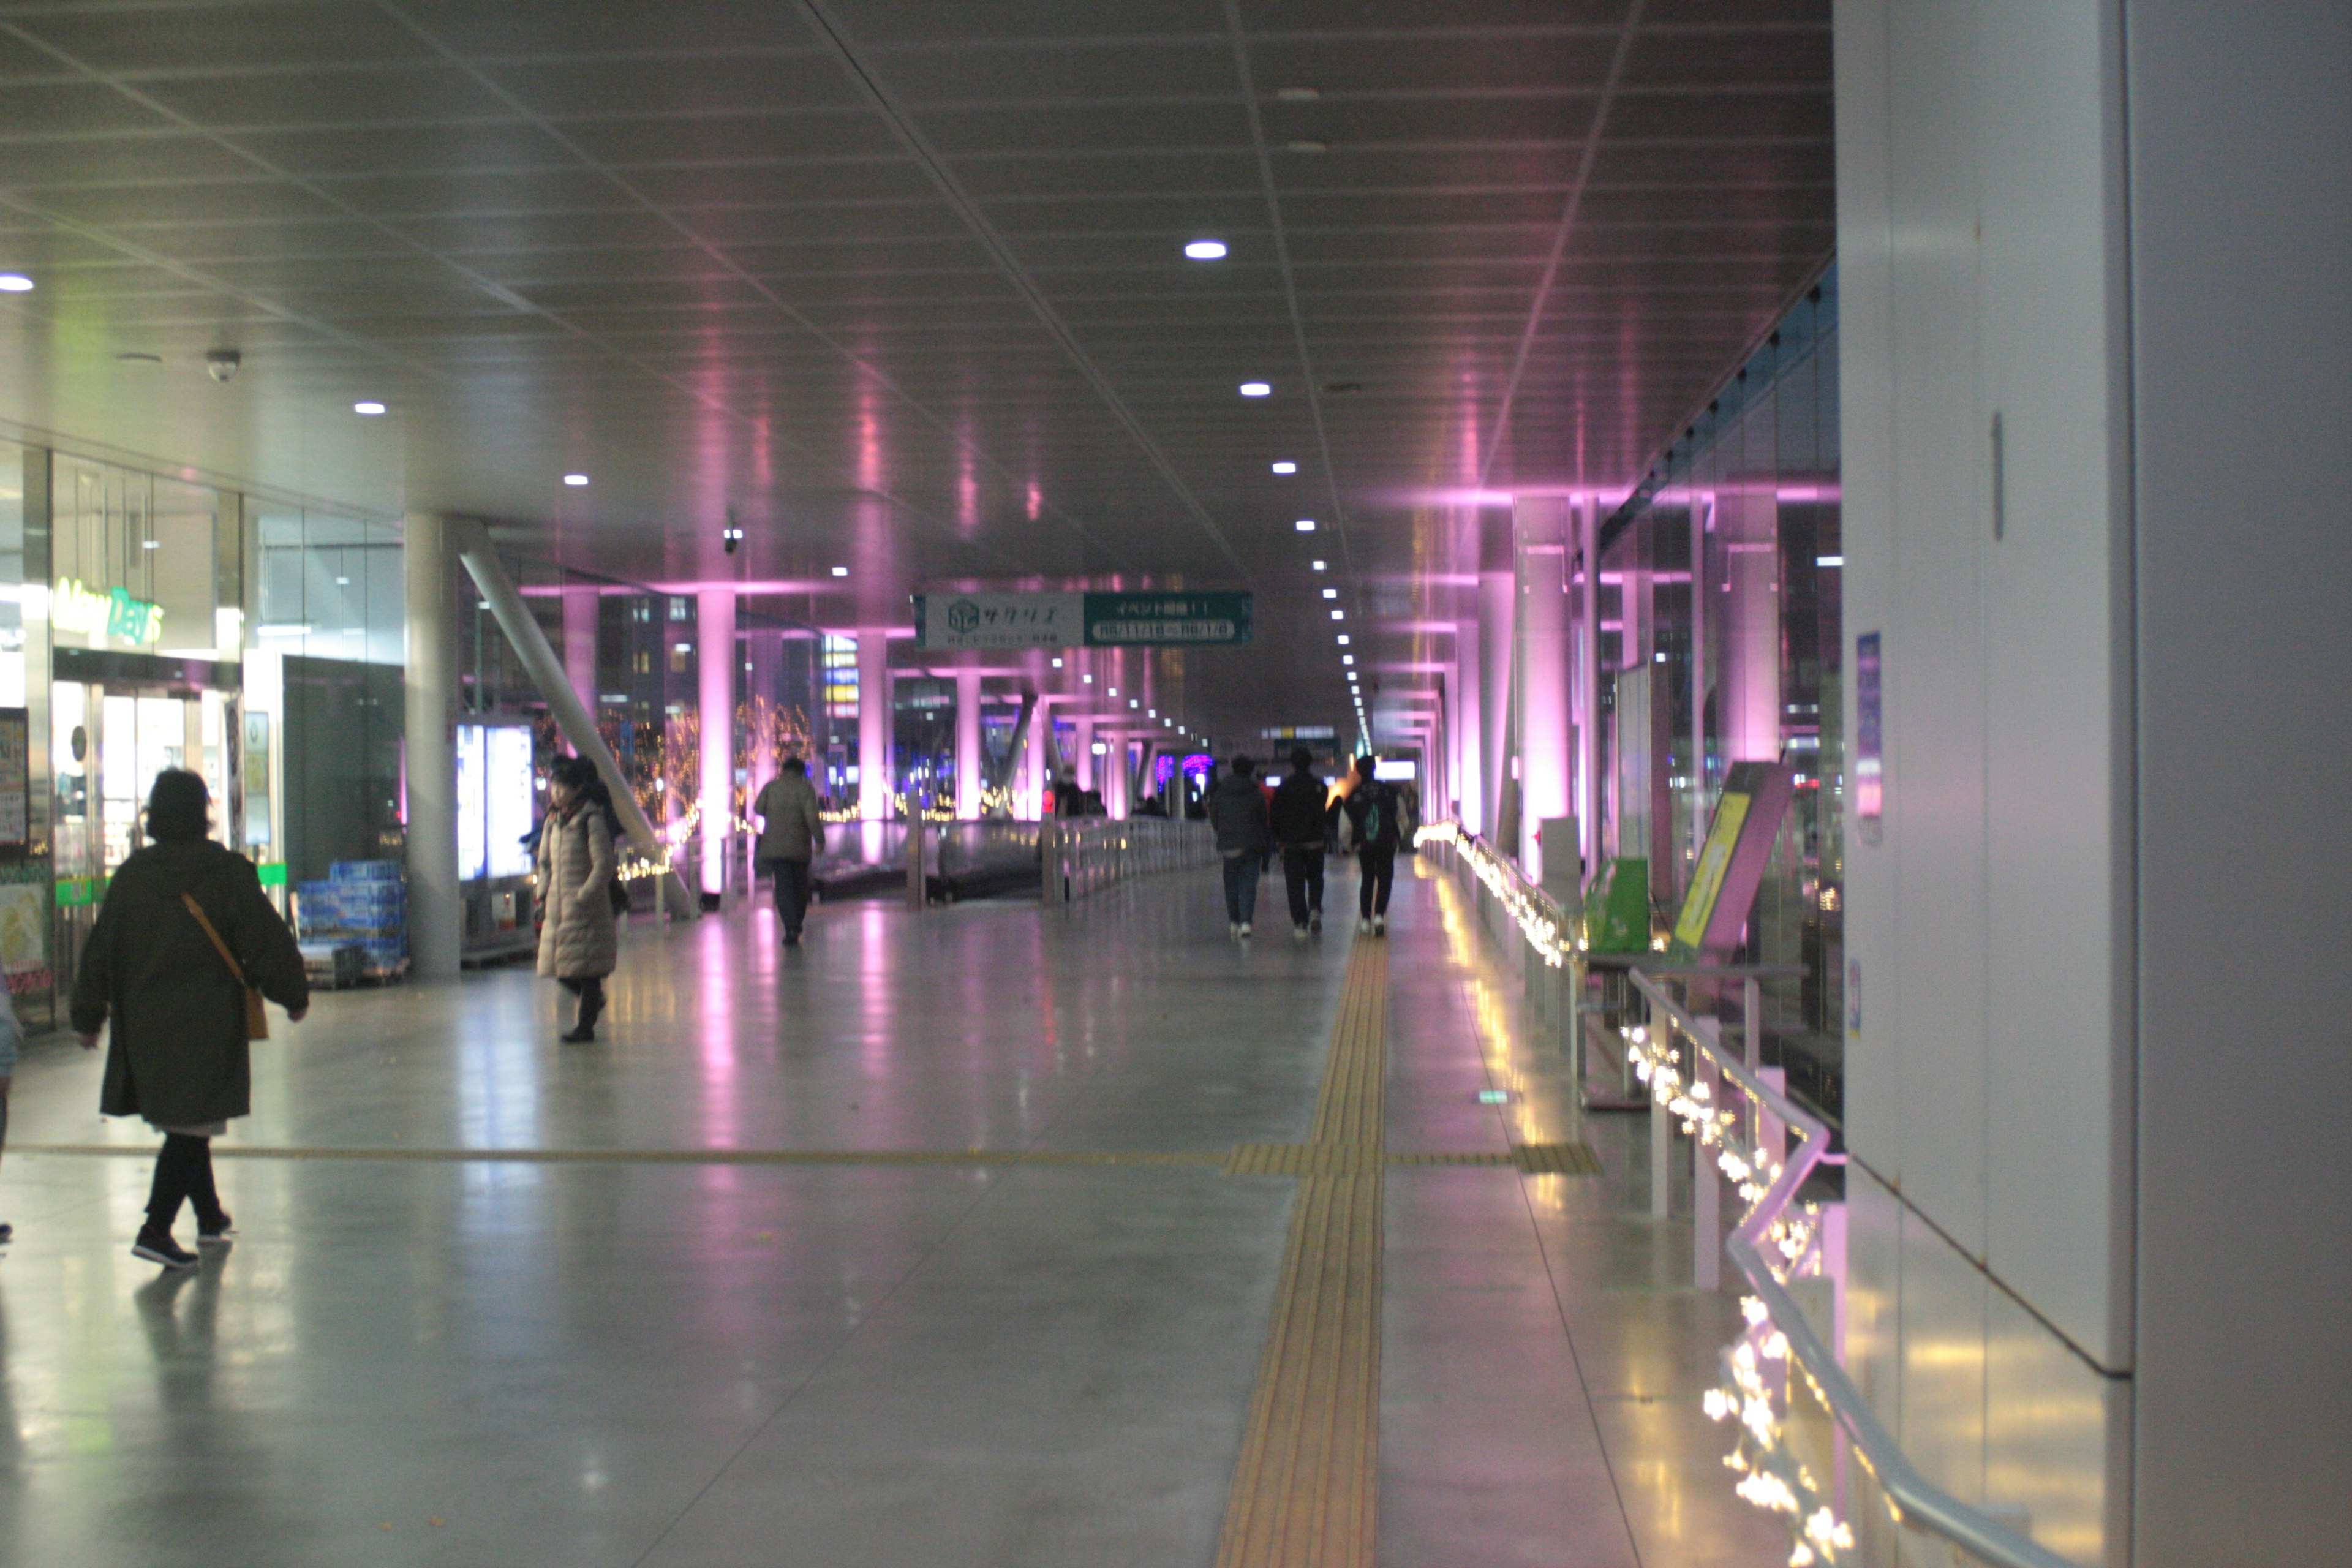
(718, 1039)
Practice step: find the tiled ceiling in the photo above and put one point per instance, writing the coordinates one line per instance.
(900, 281)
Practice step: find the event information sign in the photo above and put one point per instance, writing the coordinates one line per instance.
(1083, 620)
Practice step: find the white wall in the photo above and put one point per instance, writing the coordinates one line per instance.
(2241, 145)
(1981, 217)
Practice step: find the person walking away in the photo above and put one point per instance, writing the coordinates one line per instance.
(1373, 811)
(1300, 821)
(184, 939)
(1237, 812)
(792, 831)
(11, 1037)
(578, 945)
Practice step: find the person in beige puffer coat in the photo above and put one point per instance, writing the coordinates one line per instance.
(578, 944)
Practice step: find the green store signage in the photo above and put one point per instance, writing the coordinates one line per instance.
(114, 614)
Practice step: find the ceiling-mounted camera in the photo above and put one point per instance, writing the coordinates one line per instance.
(222, 364)
(730, 536)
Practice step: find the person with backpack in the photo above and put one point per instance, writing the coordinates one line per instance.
(1237, 812)
(185, 947)
(792, 831)
(577, 942)
(1374, 821)
(1301, 820)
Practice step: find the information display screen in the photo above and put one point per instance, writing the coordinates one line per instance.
(473, 825)
(508, 808)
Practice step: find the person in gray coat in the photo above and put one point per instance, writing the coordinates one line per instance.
(173, 1007)
(577, 942)
(792, 831)
(1245, 838)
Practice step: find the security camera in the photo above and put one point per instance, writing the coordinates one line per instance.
(222, 364)
(732, 535)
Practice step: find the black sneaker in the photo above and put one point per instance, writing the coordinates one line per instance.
(217, 1233)
(157, 1246)
(583, 1035)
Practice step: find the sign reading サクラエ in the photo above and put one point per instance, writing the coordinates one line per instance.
(1082, 620)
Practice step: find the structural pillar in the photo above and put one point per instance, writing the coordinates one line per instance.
(1041, 744)
(1497, 595)
(874, 725)
(1087, 771)
(1467, 734)
(429, 685)
(972, 759)
(1588, 681)
(580, 605)
(715, 664)
(1546, 524)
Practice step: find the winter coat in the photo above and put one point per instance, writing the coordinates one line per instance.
(576, 867)
(1299, 815)
(1237, 811)
(790, 826)
(176, 1053)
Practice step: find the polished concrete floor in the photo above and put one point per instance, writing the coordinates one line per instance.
(847, 1341)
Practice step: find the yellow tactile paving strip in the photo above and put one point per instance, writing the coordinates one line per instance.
(1305, 1491)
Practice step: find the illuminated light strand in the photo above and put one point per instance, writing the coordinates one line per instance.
(1533, 913)
(1771, 1477)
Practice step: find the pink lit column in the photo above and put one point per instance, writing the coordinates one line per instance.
(580, 604)
(1498, 597)
(970, 759)
(1747, 531)
(1546, 524)
(874, 735)
(1087, 773)
(1588, 688)
(1467, 734)
(715, 664)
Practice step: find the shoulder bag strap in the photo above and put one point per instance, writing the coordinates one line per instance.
(219, 946)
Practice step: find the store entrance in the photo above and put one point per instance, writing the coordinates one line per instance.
(110, 739)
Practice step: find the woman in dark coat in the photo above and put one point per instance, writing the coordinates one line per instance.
(176, 1054)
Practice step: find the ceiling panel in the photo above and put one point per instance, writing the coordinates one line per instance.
(679, 246)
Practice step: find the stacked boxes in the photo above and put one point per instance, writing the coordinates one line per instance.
(362, 902)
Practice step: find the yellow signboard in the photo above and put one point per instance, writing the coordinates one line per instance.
(1714, 860)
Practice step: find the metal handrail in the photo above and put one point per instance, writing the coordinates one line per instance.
(1915, 1500)
(1082, 856)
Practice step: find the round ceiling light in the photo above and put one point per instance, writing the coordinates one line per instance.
(575, 480)
(15, 283)
(1256, 389)
(1306, 525)
(1285, 467)
(370, 409)
(1206, 250)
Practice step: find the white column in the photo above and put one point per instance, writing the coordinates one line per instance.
(436, 924)
(715, 665)
(1041, 732)
(1701, 610)
(1467, 734)
(1545, 527)
(1747, 697)
(580, 605)
(874, 725)
(1588, 676)
(971, 759)
(1497, 608)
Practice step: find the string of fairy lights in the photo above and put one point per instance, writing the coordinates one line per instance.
(1755, 1368)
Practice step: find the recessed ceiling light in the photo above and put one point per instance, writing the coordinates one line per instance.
(1114, 690)
(1346, 659)
(372, 409)
(342, 582)
(1297, 94)
(1343, 639)
(1306, 525)
(1318, 565)
(1206, 250)
(15, 283)
(1339, 614)
(1285, 467)
(575, 480)
(841, 570)
(151, 544)
(1057, 664)
(1309, 146)
(1131, 702)
(1087, 680)
(1256, 389)
(1330, 593)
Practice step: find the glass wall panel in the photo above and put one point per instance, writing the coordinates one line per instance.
(1720, 644)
